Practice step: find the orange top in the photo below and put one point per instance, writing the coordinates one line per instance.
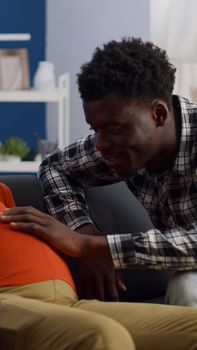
(24, 258)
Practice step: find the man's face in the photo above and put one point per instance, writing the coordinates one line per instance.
(126, 132)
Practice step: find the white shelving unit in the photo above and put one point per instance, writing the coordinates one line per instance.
(60, 96)
(15, 37)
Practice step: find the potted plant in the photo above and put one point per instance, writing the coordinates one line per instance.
(13, 149)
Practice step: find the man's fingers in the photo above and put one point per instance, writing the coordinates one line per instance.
(93, 288)
(119, 282)
(90, 292)
(99, 290)
(111, 291)
(22, 218)
(120, 285)
(19, 215)
(30, 227)
(23, 210)
(98, 278)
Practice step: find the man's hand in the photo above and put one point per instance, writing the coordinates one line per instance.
(31, 220)
(97, 279)
(97, 275)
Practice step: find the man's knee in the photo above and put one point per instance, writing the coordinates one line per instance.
(182, 289)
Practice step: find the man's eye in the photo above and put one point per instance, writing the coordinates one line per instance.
(116, 129)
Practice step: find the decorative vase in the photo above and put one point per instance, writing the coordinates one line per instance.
(9, 158)
(44, 78)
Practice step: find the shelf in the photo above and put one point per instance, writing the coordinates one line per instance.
(15, 37)
(61, 96)
(32, 95)
(19, 167)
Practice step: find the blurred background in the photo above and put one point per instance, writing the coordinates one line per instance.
(66, 32)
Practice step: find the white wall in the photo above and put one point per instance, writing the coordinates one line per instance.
(74, 29)
(173, 27)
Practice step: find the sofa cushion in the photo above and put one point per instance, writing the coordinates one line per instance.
(26, 190)
(114, 210)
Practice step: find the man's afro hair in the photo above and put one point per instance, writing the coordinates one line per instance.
(131, 68)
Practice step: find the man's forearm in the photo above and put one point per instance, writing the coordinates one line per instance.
(88, 229)
(80, 245)
(92, 245)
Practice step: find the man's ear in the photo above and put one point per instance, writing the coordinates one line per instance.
(159, 112)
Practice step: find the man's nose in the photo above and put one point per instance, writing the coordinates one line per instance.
(102, 141)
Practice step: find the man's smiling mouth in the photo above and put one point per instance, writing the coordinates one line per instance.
(113, 162)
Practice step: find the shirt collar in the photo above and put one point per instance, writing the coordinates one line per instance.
(184, 162)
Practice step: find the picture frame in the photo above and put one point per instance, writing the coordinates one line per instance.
(14, 69)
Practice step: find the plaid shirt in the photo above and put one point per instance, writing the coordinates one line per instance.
(170, 198)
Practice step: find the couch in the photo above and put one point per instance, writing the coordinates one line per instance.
(113, 209)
